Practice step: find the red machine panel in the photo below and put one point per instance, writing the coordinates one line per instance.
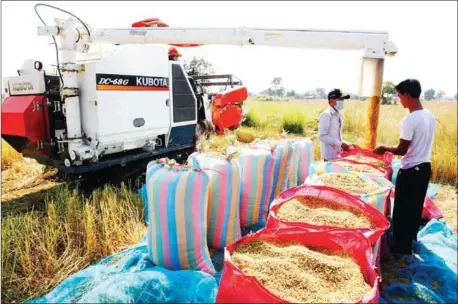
(25, 116)
(232, 96)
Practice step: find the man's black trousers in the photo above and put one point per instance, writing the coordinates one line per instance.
(410, 193)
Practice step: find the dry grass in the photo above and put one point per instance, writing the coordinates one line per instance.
(317, 211)
(298, 274)
(359, 168)
(350, 183)
(9, 155)
(42, 248)
(446, 201)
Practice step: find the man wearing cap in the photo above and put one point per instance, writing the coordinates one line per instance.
(415, 146)
(330, 127)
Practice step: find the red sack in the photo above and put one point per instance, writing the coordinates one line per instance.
(337, 197)
(387, 158)
(386, 171)
(236, 287)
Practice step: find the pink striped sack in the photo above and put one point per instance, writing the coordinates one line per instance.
(177, 216)
(223, 219)
(282, 152)
(257, 166)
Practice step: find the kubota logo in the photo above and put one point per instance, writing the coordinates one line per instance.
(22, 86)
(117, 81)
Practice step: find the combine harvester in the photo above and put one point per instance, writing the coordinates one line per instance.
(106, 110)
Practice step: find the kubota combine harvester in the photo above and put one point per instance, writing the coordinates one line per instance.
(104, 109)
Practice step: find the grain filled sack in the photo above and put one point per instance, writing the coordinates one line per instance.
(321, 208)
(282, 152)
(348, 166)
(299, 266)
(374, 190)
(306, 157)
(368, 157)
(293, 176)
(177, 211)
(223, 216)
(257, 167)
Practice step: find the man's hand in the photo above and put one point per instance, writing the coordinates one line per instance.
(380, 150)
(345, 147)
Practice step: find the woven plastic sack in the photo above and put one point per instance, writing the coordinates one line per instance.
(379, 199)
(336, 198)
(386, 158)
(307, 155)
(177, 211)
(223, 221)
(237, 287)
(381, 171)
(294, 168)
(257, 167)
(282, 152)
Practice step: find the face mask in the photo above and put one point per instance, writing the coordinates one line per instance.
(340, 105)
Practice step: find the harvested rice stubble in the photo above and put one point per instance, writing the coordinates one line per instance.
(296, 273)
(359, 168)
(318, 211)
(350, 183)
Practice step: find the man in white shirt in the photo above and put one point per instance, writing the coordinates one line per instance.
(415, 145)
(330, 127)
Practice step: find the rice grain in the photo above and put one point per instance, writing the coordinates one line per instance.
(349, 183)
(318, 211)
(296, 273)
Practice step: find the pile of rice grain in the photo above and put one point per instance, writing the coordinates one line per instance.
(349, 183)
(359, 168)
(296, 273)
(318, 211)
(365, 159)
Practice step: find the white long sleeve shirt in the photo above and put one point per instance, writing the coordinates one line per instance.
(330, 133)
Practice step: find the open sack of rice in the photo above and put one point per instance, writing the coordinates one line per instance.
(177, 216)
(368, 157)
(374, 190)
(256, 167)
(282, 153)
(321, 208)
(298, 266)
(223, 216)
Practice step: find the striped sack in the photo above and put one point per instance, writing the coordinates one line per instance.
(282, 152)
(257, 167)
(306, 157)
(294, 168)
(379, 199)
(223, 216)
(177, 211)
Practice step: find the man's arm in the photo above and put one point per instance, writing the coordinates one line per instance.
(323, 127)
(401, 149)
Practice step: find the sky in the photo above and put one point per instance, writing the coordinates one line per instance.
(424, 32)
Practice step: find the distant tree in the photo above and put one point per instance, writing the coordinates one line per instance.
(388, 92)
(321, 93)
(198, 66)
(454, 97)
(440, 95)
(276, 88)
(430, 94)
(291, 94)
